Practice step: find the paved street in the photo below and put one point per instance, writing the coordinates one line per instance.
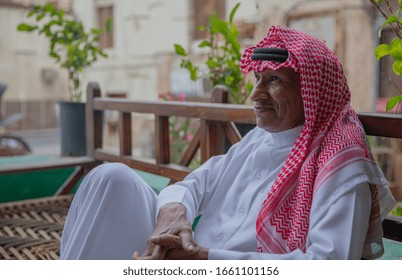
(45, 142)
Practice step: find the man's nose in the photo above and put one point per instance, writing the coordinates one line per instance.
(257, 92)
(253, 94)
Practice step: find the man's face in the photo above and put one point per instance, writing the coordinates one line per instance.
(278, 103)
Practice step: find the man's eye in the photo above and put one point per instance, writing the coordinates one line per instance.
(257, 78)
(273, 78)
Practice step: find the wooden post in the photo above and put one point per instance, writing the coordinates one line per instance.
(220, 94)
(191, 149)
(213, 140)
(94, 120)
(125, 134)
(162, 143)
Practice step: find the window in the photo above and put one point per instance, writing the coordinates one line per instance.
(105, 14)
(202, 9)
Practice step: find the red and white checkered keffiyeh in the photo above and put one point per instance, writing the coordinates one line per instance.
(332, 134)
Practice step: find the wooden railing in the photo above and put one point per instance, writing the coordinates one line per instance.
(216, 120)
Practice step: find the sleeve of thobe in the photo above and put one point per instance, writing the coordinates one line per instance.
(197, 187)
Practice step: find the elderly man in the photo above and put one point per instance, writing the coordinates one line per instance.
(301, 185)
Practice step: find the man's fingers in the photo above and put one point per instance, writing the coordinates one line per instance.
(178, 255)
(159, 253)
(166, 240)
(136, 256)
(187, 240)
(184, 240)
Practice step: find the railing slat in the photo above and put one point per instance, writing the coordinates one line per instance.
(191, 149)
(94, 120)
(231, 132)
(125, 133)
(162, 148)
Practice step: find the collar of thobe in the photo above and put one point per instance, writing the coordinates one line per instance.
(285, 137)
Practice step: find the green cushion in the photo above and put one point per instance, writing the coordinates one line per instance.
(156, 182)
(20, 186)
(393, 250)
(28, 185)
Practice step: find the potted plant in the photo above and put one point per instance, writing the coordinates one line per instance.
(74, 49)
(222, 61)
(223, 58)
(390, 10)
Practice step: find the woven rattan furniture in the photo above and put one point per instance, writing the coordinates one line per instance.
(31, 229)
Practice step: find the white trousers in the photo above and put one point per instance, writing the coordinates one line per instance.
(112, 215)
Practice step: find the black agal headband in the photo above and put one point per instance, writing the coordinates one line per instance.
(273, 54)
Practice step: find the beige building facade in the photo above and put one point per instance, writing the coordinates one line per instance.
(142, 62)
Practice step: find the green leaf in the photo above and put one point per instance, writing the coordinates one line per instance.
(391, 19)
(379, 32)
(48, 7)
(60, 14)
(187, 64)
(396, 43)
(40, 17)
(213, 23)
(393, 101)
(204, 44)
(212, 63)
(229, 80)
(396, 53)
(109, 24)
(26, 27)
(180, 50)
(397, 67)
(249, 87)
(222, 27)
(233, 12)
(31, 13)
(47, 31)
(193, 74)
(381, 51)
(398, 211)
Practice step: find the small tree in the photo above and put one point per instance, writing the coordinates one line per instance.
(70, 45)
(223, 58)
(391, 11)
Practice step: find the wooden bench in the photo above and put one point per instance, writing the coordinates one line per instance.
(31, 229)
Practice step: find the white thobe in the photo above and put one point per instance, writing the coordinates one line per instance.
(114, 211)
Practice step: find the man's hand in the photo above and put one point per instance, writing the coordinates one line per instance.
(176, 251)
(171, 221)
